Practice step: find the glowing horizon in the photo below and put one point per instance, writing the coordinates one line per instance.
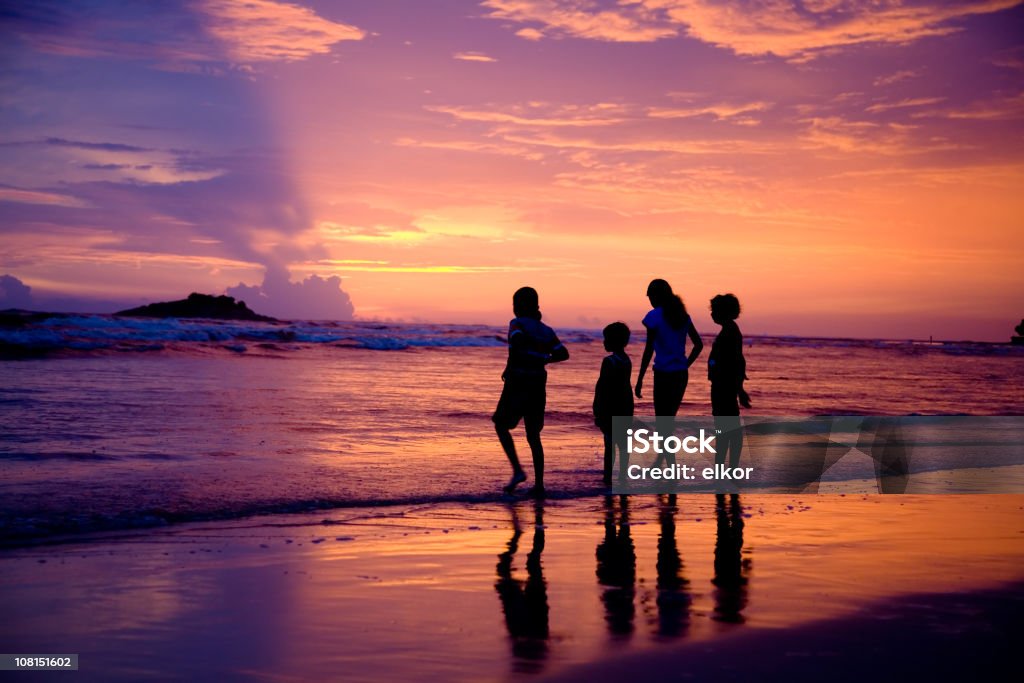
(845, 169)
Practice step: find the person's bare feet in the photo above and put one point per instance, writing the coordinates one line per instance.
(536, 492)
(517, 479)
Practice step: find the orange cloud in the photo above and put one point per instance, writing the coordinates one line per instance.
(101, 250)
(658, 145)
(868, 137)
(631, 23)
(1002, 108)
(239, 31)
(343, 266)
(264, 30)
(718, 111)
(792, 30)
(13, 194)
(473, 146)
(1012, 58)
(473, 57)
(896, 77)
(796, 31)
(904, 103)
(539, 115)
(530, 33)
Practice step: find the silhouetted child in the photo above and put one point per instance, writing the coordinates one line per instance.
(531, 346)
(613, 396)
(727, 369)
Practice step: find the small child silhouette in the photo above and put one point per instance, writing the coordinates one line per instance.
(613, 396)
(727, 369)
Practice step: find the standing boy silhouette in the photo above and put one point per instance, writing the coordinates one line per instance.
(531, 346)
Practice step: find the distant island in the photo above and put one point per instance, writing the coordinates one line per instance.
(198, 306)
(1019, 339)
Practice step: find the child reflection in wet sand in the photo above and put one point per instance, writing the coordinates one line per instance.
(525, 603)
(616, 569)
(731, 568)
(531, 346)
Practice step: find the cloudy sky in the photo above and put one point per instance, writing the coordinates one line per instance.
(846, 168)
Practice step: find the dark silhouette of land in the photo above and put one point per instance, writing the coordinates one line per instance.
(16, 318)
(1019, 338)
(198, 306)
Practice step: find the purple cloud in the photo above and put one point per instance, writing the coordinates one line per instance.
(14, 293)
(314, 298)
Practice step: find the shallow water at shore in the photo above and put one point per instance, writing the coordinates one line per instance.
(106, 439)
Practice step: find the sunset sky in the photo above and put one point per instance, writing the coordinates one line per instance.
(845, 168)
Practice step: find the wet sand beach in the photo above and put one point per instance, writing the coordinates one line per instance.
(959, 636)
(498, 591)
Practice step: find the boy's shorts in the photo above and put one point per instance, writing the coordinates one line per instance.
(521, 399)
(724, 400)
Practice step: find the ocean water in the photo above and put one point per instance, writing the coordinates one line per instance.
(110, 423)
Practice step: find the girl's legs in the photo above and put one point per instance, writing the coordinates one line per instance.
(669, 388)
